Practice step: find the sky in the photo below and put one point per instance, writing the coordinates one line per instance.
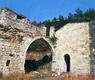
(41, 10)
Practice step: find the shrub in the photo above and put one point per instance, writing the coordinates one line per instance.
(39, 45)
(53, 39)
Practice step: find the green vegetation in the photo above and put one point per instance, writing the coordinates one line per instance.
(39, 45)
(78, 16)
(53, 39)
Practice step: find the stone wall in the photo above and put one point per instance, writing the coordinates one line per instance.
(10, 19)
(52, 31)
(92, 46)
(16, 35)
(73, 39)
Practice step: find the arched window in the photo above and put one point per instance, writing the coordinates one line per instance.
(67, 60)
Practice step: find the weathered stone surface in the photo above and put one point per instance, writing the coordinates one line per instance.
(16, 35)
(75, 39)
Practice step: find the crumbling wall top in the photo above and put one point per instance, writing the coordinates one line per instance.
(10, 13)
(13, 25)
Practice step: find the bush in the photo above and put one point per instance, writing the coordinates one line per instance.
(53, 39)
(39, 45)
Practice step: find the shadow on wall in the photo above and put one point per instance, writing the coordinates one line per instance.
(33, 65)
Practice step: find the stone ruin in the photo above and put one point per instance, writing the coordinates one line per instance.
(16, 34)
(72, 51)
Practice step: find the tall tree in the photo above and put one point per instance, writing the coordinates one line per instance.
(79, 13)
(70, 17)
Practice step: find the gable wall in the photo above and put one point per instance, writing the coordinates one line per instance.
(73, 39)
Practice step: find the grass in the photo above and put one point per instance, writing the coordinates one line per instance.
(17, 76)
(79, 77)
(46, 76)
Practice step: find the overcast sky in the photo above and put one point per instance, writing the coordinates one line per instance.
(41, 10)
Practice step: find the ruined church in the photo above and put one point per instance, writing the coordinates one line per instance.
(73, 50)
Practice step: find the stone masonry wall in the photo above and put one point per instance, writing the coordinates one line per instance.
(92, 46)
(73, 39)
(16, 34)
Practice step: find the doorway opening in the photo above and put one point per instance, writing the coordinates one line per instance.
(38, 56)
(67, 60)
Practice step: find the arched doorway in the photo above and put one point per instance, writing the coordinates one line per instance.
(67, 60)
(38, 56)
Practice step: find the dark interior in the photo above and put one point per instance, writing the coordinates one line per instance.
(67, 60)
(32, 65)
(42, 63)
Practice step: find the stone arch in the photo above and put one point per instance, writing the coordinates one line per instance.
(67, 61)
(32, 40)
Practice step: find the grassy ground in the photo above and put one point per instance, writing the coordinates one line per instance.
(45, 75)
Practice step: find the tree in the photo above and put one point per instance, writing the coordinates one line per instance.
(39, 45)
(79, 16)
(54, 19)
(78, 13)
(90, 14)
(70, 17)
(61, 18)
(47, 23)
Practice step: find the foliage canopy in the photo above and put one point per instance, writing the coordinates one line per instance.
(39, 45)
(78, 16)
